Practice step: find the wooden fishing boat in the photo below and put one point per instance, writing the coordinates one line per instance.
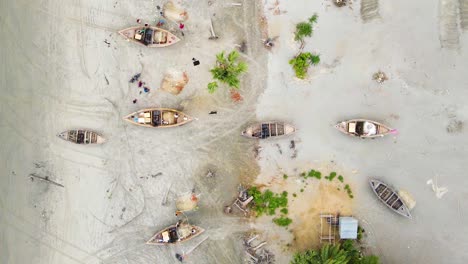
(390, 198)
(149, 36)
(177, 233)
(82, 137)
(268, 129)
(158, 117)
(364, 128)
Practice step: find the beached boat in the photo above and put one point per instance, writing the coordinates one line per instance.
(390, 198)
(177, 233)
(363, 128)
(82, 137)
(149, 36)
(268, 129)
(158, 117)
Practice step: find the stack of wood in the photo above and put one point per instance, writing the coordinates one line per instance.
(240, 203)
(255, 253)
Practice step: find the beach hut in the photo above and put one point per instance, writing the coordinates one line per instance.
(348, 227)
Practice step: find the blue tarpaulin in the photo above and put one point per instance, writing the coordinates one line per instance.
(348, 228)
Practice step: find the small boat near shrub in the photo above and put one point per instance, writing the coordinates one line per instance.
(149, 36)
(364, 128)
(268, 129)
(390, 198)
(158, 117)
(82, 137)
(180, 232)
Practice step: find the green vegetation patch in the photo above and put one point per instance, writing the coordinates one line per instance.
(282, 221)
(227, 70)
(345, 253)
(305, 29)
(301, 63)
(268, 201)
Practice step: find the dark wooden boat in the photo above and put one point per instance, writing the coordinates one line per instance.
(158, 117)
(363, 128)
(268, 129)
(82, 137)
(390, 198)
(175, 234)
(150, 36)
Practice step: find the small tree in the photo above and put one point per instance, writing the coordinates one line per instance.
(305, 29)
(301, 63)
(227, 70)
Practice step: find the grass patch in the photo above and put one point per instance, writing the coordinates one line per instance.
(340, 178)
(282, 221)
(305, 29)
(285, 176)
(284, 210)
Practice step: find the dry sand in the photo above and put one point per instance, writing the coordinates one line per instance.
(64, 66)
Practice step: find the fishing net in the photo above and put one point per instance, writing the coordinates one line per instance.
(174, 81)
(187, 202)
(175, 12)
(407, 199)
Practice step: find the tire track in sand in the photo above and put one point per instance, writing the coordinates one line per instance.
(463, 7)
(449, 33)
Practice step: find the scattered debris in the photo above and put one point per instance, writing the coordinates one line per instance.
(134, 101)
(213, 34)
(182, 256)
(455, 126)
(174, 81)
(276, 9)
(242, 47)
(135, 78)
(241, 202)
(439, 191)
(292, 144)
(107, 81)
(255, 253)
(33, 176)
(339, 3)
(107, 42)
(156, 175)
(235, 96)
(257, 150)
(270, 42)
(195, 62)
(379, 76)
(210, 174)
(213, 112)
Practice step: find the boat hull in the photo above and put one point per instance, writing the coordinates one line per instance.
(163, 237)
(271, 129)
(158, 118)
(80, 136)
(159, 38)
(390, 198)
(351, 127)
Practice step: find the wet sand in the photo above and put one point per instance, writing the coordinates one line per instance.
(423, 99)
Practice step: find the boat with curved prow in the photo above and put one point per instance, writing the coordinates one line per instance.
(390, 198)
(149, 36)
(78, 136)
(364, 128)
(158, 118)
(178, 233)
(268, 129)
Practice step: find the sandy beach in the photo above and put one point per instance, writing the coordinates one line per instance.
(65, 67)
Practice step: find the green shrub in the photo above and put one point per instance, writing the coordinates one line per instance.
(301, 63)
(227, 70)
(282, 221)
